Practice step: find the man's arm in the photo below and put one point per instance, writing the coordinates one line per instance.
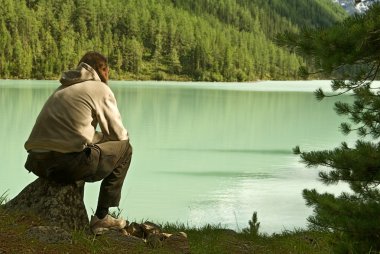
(109, 119)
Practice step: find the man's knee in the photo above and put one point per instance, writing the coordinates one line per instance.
(129, 150)
(125, 150)
(127, 156)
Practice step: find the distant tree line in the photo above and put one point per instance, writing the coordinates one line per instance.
(214, 40)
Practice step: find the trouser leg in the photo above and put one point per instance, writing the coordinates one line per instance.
(107, 161)
(65, 167)
(115, 158)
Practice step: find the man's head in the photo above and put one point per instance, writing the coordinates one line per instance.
(98, 62)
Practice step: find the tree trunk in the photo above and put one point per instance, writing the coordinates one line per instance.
(58, 204)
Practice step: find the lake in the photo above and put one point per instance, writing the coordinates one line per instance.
(203, 152)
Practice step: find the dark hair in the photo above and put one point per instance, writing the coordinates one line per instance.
(97, 61)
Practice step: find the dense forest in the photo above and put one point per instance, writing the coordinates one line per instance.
(214, 40)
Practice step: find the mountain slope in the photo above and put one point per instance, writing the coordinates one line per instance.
(281, 13)
(221, 40)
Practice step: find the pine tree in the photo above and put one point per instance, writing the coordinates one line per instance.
(174, 63)
(134, 54)
(352, 45)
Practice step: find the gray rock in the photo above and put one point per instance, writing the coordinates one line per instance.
(49, 234)
(56, 204)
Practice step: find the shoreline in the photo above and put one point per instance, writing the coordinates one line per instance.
(16, 237)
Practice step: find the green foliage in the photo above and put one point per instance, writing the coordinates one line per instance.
(303, 72)
(352, 43)
(319, 94)
(213, 40)
(3, 198)
(349, 50)
(296, 150)
(116, 213)
(254, 226)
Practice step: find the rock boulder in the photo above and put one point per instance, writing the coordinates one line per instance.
(56, 204)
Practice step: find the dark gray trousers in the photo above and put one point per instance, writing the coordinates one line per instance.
(108, 161)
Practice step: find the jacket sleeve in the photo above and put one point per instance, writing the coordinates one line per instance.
(109, 119)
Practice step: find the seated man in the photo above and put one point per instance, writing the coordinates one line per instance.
(64, 145)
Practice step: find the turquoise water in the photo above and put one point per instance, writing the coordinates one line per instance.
(203, 152)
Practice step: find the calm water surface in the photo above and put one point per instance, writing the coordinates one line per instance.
(203, 152)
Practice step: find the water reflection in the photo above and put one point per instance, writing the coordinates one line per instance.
(257, 151)
(252, 175)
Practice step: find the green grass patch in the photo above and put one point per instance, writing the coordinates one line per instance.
(206, 239)
(217, 239)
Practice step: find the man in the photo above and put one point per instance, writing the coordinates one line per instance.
(64, 145)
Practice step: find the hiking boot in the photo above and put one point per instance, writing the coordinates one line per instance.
(99, 226)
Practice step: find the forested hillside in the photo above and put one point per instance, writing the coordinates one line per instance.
(219, 40)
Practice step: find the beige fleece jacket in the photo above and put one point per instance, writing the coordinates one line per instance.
(68, 120)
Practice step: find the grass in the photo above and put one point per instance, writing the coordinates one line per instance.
(215, 239)
(207, 239)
